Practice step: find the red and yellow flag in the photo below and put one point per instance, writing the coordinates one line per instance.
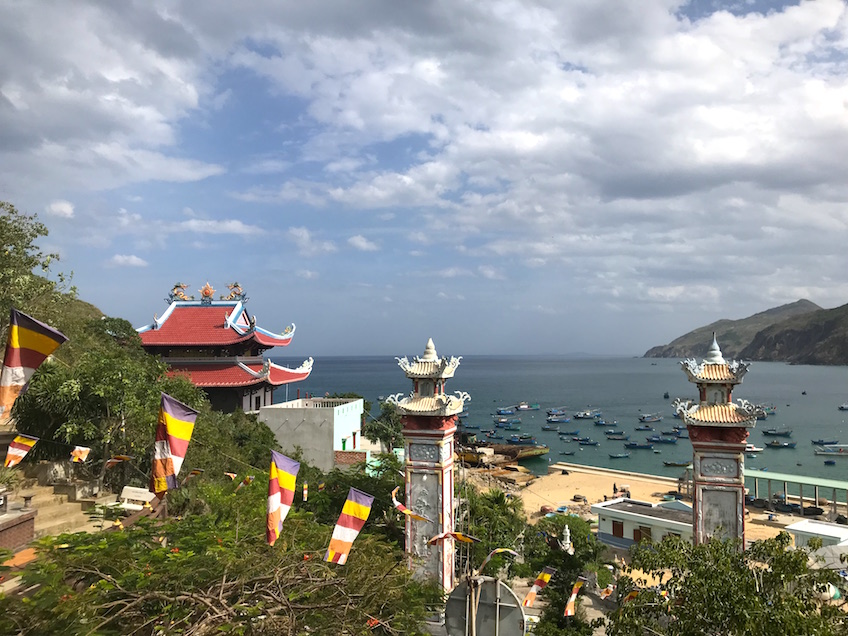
(80, 454)
(176, 424)
(404, 509)
(570, 607)
(18, 449)
(354, 514)
(539, 584)
(280, 493)
(28, 345)
(117, 459)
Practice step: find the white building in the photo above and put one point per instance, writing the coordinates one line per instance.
(328, 430)
(623, 522)
(829, 533)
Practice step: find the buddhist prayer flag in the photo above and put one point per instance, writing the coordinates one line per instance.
(458, 536)
(117, 459)
(193, 473)
(245, 482)
(80, 454)
(630, 596)
(354, 514)
(18, 449)
(305, 491)
(404, 509)
(280, 493)
(321, 487)
(607, 591)
(493, 553)
(176, 424)
(232, 476)
(538, 585)
(570, 607)
(28, 345)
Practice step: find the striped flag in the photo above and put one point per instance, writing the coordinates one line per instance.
(406, 510)
(117, 459)
(538, 585)
(493, 553)
(80, 454)
(245, 482)
(195, 472)
(176, 424)
(572, 600)
(18, 449)
(280, 493)
(28, 345)
(232, 476)
(458, 536)
(305, 491)
(630, 596)
(354, 514)
(607, 592)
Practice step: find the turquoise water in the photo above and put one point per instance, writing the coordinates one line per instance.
(621, 388)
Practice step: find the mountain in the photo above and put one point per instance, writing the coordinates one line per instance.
(736, 336)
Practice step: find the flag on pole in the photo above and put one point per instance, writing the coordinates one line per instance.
(458, 536)
(80, 454)
(18, 449)
(232, 476)
(630, 596)
(572, 600)
(117, 459)
(321, 487)
(404, 509)
(355, 512)
(193, 473)
(607, 592)
(245, 482)
(305, 491)
(28, 345)
(176, 424)
(493, 553)
(280, 493)
(538, 585)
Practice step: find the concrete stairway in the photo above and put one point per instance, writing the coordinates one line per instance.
(57, 515)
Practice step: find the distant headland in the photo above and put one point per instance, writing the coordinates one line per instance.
(797, 333)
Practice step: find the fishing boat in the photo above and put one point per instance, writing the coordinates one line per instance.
(566, 452)
(548, 427)
(673, 432)
(557, 410)
(644, 427)
(678, 464)
(665, 395)
(775, 444)
(525, 406)
(558, 419)
(504, 422)
(612, 431)
(778, 432)
(750, 448)
(843, 406)
(650, 417)
(834, 450)
(829, 462)
(507, 410)
(601, 422)
(512, 427)
(581, 439)
(618, 438)
(658, 439)
(469, 426)
(824, 442)
(525, 438)
(589, 442)
(586, 415)
(619, 455)
(494, 435)
(574, 432)
(639, 446)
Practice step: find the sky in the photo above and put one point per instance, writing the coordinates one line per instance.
(506, 177)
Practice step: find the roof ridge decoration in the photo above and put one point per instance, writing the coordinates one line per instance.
(430, 364)
(206, 294)
(236, 293)
(714, 358)
(178, 293)
(305, 367)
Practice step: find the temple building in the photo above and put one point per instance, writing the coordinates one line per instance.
(718, 429)
(219, 347)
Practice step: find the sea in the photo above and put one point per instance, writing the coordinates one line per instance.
(806, 400)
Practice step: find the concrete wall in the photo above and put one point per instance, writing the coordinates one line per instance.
(316, 425)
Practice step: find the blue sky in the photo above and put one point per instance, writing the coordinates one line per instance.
(509, 177)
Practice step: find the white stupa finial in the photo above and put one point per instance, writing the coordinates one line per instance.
(429, 352)
(714, 353)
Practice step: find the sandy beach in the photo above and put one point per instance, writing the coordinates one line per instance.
(556, 489)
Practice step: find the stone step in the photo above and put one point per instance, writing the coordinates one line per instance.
(59, 525)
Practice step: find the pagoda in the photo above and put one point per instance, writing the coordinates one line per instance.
(218, 347)
(718, 429)
(429, 419)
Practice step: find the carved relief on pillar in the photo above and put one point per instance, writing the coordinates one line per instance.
(423, 452)
(720, 512)
(425, 496)
(723, 468)
(728, 435)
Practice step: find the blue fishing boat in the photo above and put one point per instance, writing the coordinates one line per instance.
(618, 438)
(650, 417)
(512, 427)
(566, 452)
(524, 406)
(507, 410)
(574, 432)
(494, 436)
(557, 419)
(581, 439)
(601, 422)
(776, 444)
(778, 432)
(639, 446)
(469, 426)
(560, 410)
(619, 455)
(526, 438)
(659, 439)
(644, 427)
(822, 442)
(548, 427)
(589, 442)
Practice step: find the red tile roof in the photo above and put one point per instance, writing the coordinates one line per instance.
(234, 375)
(198, 325)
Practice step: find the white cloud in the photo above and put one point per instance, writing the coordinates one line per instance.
(217, 226)
(307, 274)
(61, 208)
(127, 260)
(362, 244)
(306, 244)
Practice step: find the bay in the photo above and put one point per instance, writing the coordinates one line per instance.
(622, 388)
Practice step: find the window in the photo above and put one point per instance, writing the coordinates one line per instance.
(258, 403)
(618, 529)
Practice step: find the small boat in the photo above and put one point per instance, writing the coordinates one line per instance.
(658, 439)
(776, 444)
(469, 426)
(619, 455)
(778, 432)
(612, 431)
(574, 432)
(644, 427)
(822, 442)
(618, 438)
(507, 410)
(665, 395)
(559, 410)
(650, 417)
(525, 438)
(843, 406)
(581, 439)
(639, 446)
(566, 452)
(494, 436)
(750, 448)
(673, 432)
(548, 427)
(829, 462)
(586, 415)
(524, 406)
(678, 464)
(589, 442)
(601, 422)
(512, 427)
(559, 419)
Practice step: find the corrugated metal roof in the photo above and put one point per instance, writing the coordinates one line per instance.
(751, 473)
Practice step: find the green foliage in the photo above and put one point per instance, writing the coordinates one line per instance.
(715, 588)
(498, 521)
(386, 429)
(213, 573)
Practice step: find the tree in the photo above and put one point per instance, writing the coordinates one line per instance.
(715, 588)
(387, 428)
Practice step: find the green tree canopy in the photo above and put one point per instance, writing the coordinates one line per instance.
(386, 428)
